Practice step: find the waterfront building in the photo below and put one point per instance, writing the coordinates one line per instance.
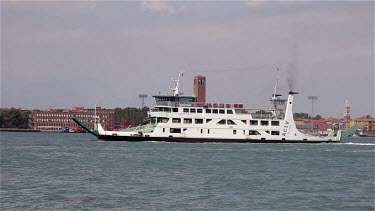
(57, 119)
(315, 124)
(367, 124)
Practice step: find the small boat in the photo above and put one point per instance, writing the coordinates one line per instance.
(180, 118)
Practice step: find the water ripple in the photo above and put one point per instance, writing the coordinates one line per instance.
(74, 172)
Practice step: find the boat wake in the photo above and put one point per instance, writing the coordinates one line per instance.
(360, 144)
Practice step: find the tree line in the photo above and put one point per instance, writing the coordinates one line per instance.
(306, 116)
(135, 116)
(14, 118)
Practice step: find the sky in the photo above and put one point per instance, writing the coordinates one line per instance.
(67, 54)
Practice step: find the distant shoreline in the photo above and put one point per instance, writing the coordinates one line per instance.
(32, 130)
(18, 130)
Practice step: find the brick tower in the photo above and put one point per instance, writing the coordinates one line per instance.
(200, 88)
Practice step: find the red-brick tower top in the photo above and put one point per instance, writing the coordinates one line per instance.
(200, 88)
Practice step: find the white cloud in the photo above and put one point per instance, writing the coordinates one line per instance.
(158, 6)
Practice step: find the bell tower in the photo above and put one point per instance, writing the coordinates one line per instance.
(200, 88)
(347, 111)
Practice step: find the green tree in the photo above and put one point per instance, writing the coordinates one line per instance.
(318, 117)
(14, 118)
(133, 115)
(301, 116)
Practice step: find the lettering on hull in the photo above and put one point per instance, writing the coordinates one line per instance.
(286, 128)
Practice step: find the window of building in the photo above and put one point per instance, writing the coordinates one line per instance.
(163, 130)
(267, 131)
(208, 120)
(188, 121)
(175, 130)
(208, 131)
(198, 121)
(193, 110)
(244, 121)
(230, 111)
(264, 123)
(230, 122)
(199, 110)
(222, 122)
(234, 131)
(208, 111)
(186, 110)
(215, 111)
(253, 132)
(275, 133)
(201, 130)
(221, 111)
(275, 123)
(176, 120)
(174, 109)
(253, 122)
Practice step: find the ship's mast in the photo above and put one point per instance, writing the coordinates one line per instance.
(275, 95)
(277, 82)
(177, 81)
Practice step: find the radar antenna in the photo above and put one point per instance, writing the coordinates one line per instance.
(177, 81)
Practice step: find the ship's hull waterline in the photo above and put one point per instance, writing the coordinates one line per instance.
(203, 140)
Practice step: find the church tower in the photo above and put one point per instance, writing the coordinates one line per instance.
(347, 111)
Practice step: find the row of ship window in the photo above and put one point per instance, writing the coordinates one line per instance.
(196, 110)
(221, 122)
(245, 132)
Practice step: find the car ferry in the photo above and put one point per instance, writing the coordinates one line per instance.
(180, 118)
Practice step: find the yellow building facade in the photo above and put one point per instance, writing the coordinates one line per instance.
(367, 124)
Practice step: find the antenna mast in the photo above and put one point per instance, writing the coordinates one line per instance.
(142, 97)
(277, 82)
(313, 100)
(175, 90)
(275, 96)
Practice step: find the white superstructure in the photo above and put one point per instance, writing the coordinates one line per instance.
(181, 118)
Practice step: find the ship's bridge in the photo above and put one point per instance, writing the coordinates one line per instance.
(171, 100)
